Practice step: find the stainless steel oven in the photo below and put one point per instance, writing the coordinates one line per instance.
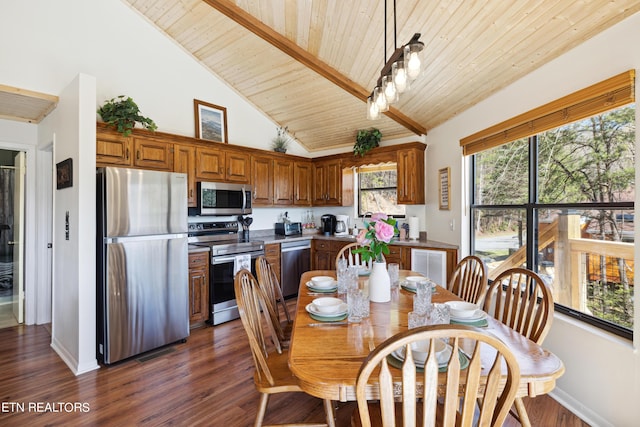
(227, 250)
(221, 274)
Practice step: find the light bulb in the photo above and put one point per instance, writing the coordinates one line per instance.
(373, 112)
(412, 61)
(390, 91)
(400, 76)
(381, 100)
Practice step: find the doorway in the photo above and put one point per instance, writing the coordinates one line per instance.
(11, 241)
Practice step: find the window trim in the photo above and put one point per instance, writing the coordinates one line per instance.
(607, 95)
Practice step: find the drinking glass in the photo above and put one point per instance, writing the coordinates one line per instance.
(342, 275)
(358, 305)
(422, 298)
(417, 319)
(394, 271)
(439, 315)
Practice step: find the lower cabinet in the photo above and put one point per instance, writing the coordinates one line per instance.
(198, 288)
(324, 253)
(272, 254)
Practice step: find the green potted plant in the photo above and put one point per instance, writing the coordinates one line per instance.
(123, 114)
(366, 140)
(281, 141)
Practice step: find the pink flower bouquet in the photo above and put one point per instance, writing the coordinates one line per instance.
(375, 237)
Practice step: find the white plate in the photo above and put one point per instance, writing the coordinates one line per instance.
(341, 311)
(478, 316)
(310, 285)
(442, 356)
(411, 284)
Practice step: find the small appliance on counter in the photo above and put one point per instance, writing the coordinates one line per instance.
(342, 225)
(288, 228)
(328, 224)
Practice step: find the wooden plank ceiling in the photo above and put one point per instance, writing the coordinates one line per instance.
(309, 64)
(25, 105)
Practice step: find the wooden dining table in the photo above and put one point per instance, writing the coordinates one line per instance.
(326, 358)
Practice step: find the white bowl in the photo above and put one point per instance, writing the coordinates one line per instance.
(420, 350)
(322, 281)
(327, 305)
(416, 279)
(462, 309)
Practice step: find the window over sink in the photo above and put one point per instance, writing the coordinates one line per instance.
(377, 187)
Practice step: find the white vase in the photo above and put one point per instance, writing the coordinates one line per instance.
(379, 283)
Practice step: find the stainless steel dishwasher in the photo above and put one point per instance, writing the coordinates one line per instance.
(295, 260)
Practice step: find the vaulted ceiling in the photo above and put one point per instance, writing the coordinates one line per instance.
(310, 64)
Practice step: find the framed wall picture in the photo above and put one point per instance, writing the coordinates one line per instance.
(211, 121)
(444, 185)
(64, 174)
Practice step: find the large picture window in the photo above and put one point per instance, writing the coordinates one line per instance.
(561, 203)
(553, 191)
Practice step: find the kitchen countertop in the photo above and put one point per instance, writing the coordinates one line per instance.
(268, 236)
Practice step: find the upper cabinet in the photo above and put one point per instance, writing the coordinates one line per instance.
(152, 154)
(262, 180)
(276, 179)
(411, 176)
(283, 182)
(214, 164)
(302, 178)
(114, 149)
(184, 160)
(327, 183)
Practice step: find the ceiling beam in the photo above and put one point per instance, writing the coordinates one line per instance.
(248, 21)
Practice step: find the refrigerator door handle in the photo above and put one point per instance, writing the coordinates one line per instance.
(150, 237)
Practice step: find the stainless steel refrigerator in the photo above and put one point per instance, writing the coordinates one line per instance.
(142, 261)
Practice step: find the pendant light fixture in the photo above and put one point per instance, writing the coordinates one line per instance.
(402, 68)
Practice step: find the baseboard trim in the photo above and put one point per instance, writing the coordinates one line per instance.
(578, 409)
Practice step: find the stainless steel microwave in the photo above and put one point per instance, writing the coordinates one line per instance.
(217, 198)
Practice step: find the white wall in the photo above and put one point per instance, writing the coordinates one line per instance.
(602, 379)
(72, 128)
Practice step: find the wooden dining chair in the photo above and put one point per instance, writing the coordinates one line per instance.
(274, 299)
(408, 395)
(520, 299)
(272, 374)
(352, 259)
(469, 280)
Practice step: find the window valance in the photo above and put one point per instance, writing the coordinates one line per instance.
(604, 96)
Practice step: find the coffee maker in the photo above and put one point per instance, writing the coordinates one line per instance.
(342, 225)
(328, 224)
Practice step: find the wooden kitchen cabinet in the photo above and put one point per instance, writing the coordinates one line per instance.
(302, 177)
(112, 148)
(324, 253)
(327, 183)
(238, 167)
(410, 163)
(283, 182)
(262, 180)
(184, 159)
(152, 154)
(115, 149)
(209, 164)
(272, 254)
(213, 164)
(321, 258)
(198, 288)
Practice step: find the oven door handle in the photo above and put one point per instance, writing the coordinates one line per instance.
(222, 260)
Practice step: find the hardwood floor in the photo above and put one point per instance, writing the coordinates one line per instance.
(206, 381)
